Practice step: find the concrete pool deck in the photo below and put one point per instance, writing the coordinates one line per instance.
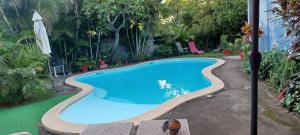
(227, 113)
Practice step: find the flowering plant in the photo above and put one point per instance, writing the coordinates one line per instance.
(247, 30)
(289, 11)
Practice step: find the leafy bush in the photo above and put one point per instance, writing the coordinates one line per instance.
(275, 68)
(288, 11)
(84, 61)
(292, 91)
(270, 61)
(246, 64)
(163, 51)
(23, 74)
(224, 40)
(280, 74)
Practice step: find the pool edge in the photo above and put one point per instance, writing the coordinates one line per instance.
(52, 122)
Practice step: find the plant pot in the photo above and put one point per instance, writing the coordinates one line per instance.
(102, 62)
(84, 68)
(227, 52)
(242, 55)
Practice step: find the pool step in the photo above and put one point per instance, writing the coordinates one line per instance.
(154, 127)
(109, 129)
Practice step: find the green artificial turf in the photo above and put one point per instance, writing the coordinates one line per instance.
(26, 117)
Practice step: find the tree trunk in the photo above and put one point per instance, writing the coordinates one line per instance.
(60, 48)
(130, 44)
(98, 45)
(116, 42)
(14, 2)
(207, 42)
(77, 21)
(66, 58)
(91, 49)
(137, 44)
(6, 20)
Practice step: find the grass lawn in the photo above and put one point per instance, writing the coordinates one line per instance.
(26, 117)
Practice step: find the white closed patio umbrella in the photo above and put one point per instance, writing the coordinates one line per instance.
(41, 36)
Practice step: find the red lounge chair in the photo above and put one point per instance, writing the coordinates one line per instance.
(193, 48)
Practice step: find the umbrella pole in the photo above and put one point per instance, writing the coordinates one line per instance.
(255, 60)
(50, 73)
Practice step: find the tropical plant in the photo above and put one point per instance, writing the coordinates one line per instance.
(291, 100)
(163, 51)
(91, 34)
(270, 61)
(230, 14)
(224, 40)
(141, 27)
(288, 11)
(111, 13)
(84, 61)
(51, 10)
(283, 71)
(23, 74)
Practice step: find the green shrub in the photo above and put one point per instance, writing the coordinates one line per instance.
(275, 68)
(280, 74)
(246, 64)
(23, 73)
(292, 94)
(270, 61)
(224, 40)
(163, 51)
(84, 61)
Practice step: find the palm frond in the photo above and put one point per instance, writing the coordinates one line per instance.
(3, 66)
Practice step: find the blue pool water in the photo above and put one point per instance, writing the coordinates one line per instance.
(128, 92)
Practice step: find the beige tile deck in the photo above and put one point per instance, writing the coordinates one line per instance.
(154, 127)
(109, 129)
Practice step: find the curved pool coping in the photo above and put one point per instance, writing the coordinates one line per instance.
(52, 122)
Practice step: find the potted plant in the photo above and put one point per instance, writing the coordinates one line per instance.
(245, 48)
(226, 52)
(84, 64)
(239, 43)
(247, 30)
(224, 42)
(229, 48)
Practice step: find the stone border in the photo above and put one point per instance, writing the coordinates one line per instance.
(51, 120)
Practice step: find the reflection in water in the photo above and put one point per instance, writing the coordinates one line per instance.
(170, 90)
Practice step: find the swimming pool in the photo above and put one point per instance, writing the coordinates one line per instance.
(124, 93)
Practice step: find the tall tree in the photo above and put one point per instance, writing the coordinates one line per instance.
(113, 13)
(230, 14)
(50, 10)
